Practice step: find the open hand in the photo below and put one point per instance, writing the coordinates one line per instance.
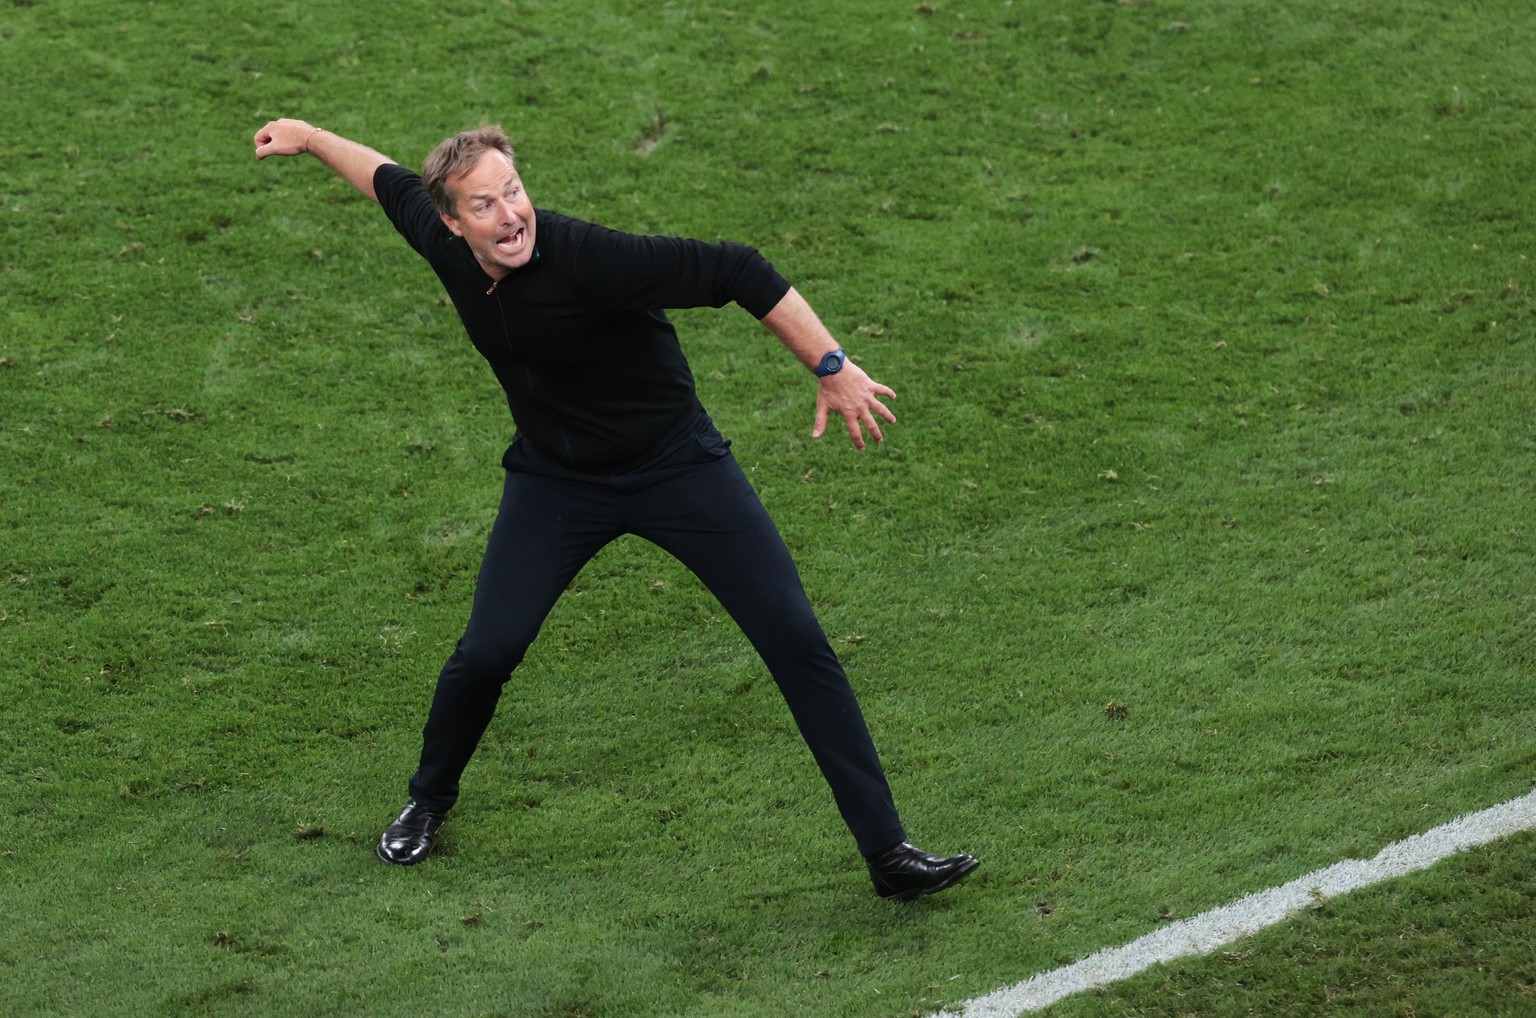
(856, 397)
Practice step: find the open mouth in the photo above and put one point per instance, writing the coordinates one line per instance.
(512, 241)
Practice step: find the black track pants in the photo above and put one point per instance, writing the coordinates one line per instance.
(699, 507)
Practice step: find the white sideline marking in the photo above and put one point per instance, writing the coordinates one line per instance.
(1203, 933)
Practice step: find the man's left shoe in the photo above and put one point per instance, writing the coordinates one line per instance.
(903, 873)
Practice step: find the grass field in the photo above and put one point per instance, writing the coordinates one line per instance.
(1201, 557)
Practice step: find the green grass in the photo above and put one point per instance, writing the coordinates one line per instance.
(1456, 941)
(1213, 332)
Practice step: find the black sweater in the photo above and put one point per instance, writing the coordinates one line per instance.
(592, 368)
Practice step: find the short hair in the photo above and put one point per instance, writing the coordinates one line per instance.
(456, 156)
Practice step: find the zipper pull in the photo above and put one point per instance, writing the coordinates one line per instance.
(494, 284)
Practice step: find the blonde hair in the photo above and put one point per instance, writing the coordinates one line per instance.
(458, 155)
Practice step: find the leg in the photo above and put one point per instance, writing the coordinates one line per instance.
(544, 533)
(712, 521)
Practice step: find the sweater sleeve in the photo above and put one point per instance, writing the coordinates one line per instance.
(629, 272)
(405, 202)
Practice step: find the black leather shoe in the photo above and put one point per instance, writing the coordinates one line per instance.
(903, 873)
(407, 841)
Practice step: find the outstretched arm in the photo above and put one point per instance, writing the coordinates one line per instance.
(850, 393)
(355, 163)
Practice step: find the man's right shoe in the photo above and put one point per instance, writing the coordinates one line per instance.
(407, 841)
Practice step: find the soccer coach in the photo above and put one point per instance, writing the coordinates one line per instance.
(611, 439)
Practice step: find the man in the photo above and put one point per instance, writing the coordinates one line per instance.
(611, 439)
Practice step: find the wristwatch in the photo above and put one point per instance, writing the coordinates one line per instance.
(831, 364)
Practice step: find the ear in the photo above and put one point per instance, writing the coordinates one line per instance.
(451, 223)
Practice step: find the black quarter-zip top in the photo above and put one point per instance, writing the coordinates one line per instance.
(578, 337)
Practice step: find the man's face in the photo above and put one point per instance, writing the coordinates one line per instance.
(494, 215)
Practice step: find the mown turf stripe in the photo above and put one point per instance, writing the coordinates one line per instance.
(1204, 933)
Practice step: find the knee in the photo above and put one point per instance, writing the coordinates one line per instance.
(478, 659)
(795, 643)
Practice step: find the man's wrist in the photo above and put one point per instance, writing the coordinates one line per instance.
(308, 142)
(831, 363)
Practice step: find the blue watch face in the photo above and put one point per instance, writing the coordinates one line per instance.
(832, 363)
